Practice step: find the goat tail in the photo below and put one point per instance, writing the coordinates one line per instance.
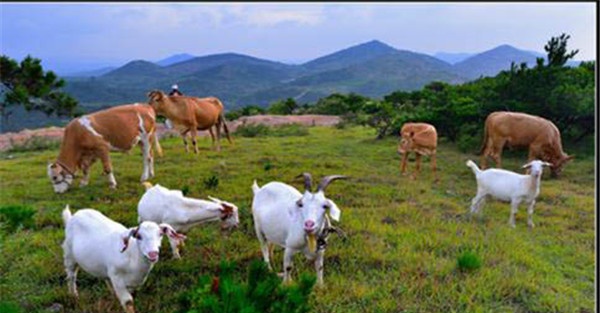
(473, 167)
(255, 187)
(147, 185)
(66, 214)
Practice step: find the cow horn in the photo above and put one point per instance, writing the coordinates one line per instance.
(307, 181)
(327, 180)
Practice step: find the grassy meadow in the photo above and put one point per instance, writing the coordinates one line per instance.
(405, 237)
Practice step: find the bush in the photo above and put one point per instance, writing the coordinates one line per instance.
(468, 261)
(262, 293)
(17, 216)
(9, 307)
(252, 130)
(35, 143)
(287, 130)
(261, 130)
(211, 182)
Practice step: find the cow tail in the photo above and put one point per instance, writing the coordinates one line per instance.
(485, 138)
(222, 121)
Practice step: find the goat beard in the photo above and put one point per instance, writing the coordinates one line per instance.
(312, 242)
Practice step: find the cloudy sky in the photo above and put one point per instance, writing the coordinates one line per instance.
(82, 36)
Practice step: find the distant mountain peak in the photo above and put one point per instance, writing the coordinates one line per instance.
(176, 58)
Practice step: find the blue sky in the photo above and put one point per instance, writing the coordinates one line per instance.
(82, 36)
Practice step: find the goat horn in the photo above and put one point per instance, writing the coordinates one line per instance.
(307, 180)
(327, 180)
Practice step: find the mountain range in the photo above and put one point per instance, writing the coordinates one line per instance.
(372, 69)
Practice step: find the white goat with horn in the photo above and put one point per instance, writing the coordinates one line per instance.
(297, 222)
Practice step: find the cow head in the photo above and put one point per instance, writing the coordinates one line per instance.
(312, 207)
(559, 163)
(405, 145)
(156, 99)
(60, 177)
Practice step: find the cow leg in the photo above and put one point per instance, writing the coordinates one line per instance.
(183, 136)
(147, 156)
(212, 137)
(85, 180)
(497, 153)
(194, 133)
(105, 158)
(157, 146)
(403, 166)
(418, 166)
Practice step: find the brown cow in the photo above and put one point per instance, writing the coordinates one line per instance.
(420, 138)
(520, 130)
(189, 114)
(92, 136)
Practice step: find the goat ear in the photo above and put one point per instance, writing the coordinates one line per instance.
(528, 165)
(547, 164)
(168, 230)
(132, 232)
(334, 211)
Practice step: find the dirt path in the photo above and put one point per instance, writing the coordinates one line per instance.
(9, 140)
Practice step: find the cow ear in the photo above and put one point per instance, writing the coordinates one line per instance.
(334, 211)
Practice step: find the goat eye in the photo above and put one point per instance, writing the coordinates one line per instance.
(138, 237)
(325, 206)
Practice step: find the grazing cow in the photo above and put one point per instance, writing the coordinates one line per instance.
(92, 136)
(519, 130)
(420, 138)
(189, 114)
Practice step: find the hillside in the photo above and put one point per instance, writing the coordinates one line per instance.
(407, 240)
(373, 69)
(491, 62)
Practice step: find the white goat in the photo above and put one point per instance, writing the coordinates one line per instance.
(99, 245)
(294, 221)
(508, 186)
(162, 205)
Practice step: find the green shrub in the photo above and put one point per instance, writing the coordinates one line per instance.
(211, 182)
(9, 307)
(287, 130)
(35, 143)
(16, 216)
(468, 261)
(262, 293)
(260, 130)
(252, 130)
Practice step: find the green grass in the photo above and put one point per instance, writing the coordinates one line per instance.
(404, 237)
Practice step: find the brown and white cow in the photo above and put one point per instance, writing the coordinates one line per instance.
(189, 114)
(93, 136)
(518, 130)
(420, 138)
